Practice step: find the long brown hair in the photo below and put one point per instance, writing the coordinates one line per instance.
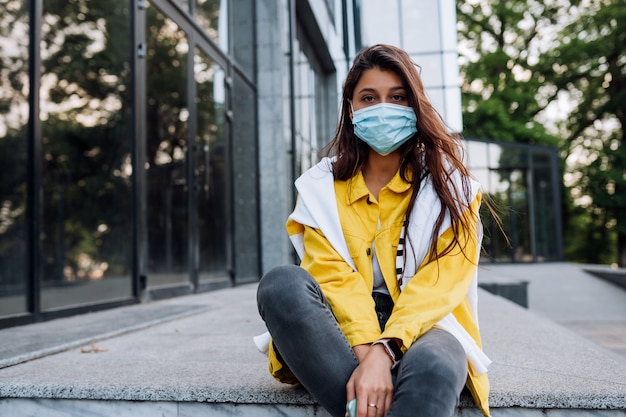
(433, 151)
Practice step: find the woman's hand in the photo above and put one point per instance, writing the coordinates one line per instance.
(371, 382)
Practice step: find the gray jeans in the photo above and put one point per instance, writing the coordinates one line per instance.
(430, 377)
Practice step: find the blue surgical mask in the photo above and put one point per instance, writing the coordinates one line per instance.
(384, 127)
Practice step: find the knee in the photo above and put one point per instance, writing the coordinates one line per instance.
(278, 280)
(280, 285)
(439, 356)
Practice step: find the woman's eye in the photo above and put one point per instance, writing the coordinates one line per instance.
(397, 97)
(368, 99)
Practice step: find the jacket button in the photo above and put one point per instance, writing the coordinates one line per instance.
(368, 251)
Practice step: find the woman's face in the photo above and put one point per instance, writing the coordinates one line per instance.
(378, 86)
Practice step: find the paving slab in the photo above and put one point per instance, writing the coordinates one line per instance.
(24, 343)
(209, 358)
(570, 295)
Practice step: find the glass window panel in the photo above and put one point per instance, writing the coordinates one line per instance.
(475, 154)
(429, 69)
(376, 14)
(519, 215)
(493, 155)
(313, 129)
(210, 169)
(495, 246)
(510, 189)
(166, 147)
(544, 209)
(437, 99)
(519, 183)
(212, 15)
(452, 110)
(447, 19)
(86, 165)
(305, 113)
(421, 26)
(14, 32)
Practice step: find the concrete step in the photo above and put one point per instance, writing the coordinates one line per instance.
(201, 361)
(513, 290)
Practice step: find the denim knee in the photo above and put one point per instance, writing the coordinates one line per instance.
(438, 355)
(281, 286)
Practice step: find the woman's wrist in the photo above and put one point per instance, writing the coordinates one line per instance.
(391, 349)
(360, 351)
(380, 351)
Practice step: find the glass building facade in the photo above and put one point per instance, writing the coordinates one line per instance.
(118, 155)
(523, 187)
(148, 148)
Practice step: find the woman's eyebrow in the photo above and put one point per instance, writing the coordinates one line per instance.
(366, 90)
(372, 90)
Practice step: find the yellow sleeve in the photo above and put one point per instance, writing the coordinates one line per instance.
(439, 286)
(344, 289)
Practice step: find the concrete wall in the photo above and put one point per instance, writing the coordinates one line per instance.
(323, 26)
(427, 31)
(272, 45)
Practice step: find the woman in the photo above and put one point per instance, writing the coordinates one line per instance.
(382, 308)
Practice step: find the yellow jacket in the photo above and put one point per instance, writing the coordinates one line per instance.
(334, 240)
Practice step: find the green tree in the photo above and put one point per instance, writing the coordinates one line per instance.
(527, 62)
(503, 96)
(588, 68)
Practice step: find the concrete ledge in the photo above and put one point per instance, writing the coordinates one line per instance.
(82, 408)
(205, 363)
(539, 364)
(616, 276)
(512, 290)
(25, 343)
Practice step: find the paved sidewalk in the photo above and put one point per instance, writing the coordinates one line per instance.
(565, 293)
(197, 357)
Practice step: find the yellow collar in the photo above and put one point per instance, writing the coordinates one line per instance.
(357, 188)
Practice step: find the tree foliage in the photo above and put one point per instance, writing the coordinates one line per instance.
(554, 73)
(502, 93)
(588, 67)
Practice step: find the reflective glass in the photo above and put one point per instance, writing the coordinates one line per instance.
(311, 109)
(519, 182)
(421, 26)
(475, 155)
(166, 147)
(376, 14)
(519, 220)
(511, 191)
(14, 32)
(86, 236)
(210, 165)
(213, 17)
(544, 209)
(306, 125)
